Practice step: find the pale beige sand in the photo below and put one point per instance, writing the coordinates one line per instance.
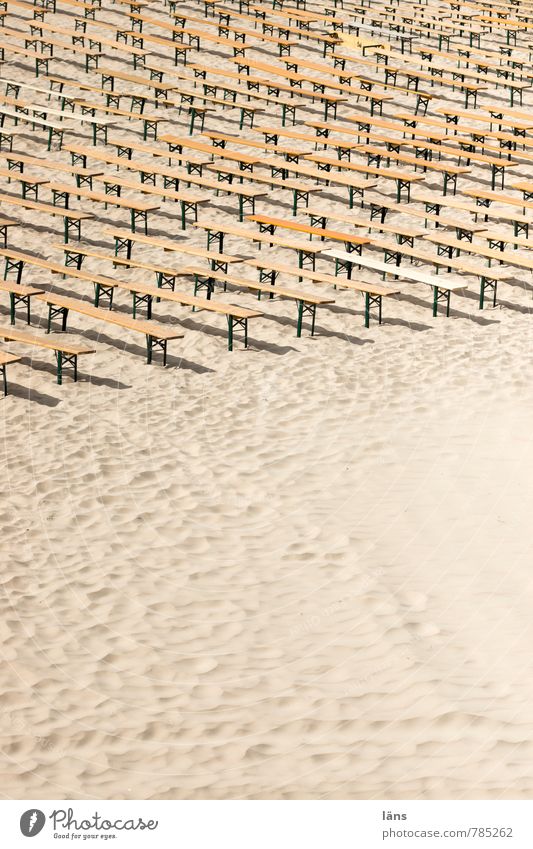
(301, 570)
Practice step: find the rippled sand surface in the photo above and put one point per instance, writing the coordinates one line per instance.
(307, 576)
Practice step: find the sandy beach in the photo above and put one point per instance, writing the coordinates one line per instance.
(299, 570)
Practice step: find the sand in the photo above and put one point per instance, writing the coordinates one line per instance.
(300, 570)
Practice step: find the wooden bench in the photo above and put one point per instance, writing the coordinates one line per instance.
(72, 218)
(435, 205)
(366, 83)
(161, 90)
(289, 105)
(124, 241)
(485, 198)
(326, 42)
(452, 116)
(216, 233)
(268, 223)
(41, 60)
(239, 33)
(95, 42)
(245, 161)
(55, 131)
(194, 35)
(500, 144)
(403, 179)
(402, 232)
(441, 290)
(299, 189)
(366, 125)
(4, 224)
(165, 277)
(524, 186)
(356, 186)
(5, 359)
(8, 135)
(236, 316)
(99, 126)
(306, 302)
(48, 44)
(29, 182)
(189, 201)
(15, 262)
(449, 245)
(450, 173)
(138, 211)
(223, 139)
(37, 12)
(19, 294)
(372, 293)
(148, 171)
(13, 88)
(461, 149)
(330, 101)
(436, 76)
(177, 48)
(89, 9)
(150, 122)
(113, 98)
(190, 97)
(487, 276)
(17, 161)
(157, 336)
(246, 195)
(126, 148)
(66, 354)
(381, 205)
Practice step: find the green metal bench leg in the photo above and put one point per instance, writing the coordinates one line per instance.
(367, 309)
(305, 308)
(151, 342)
(230, 333)
(139, 298)
(300, 318)
(487, 285)
(313, 318)
(52, 313)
